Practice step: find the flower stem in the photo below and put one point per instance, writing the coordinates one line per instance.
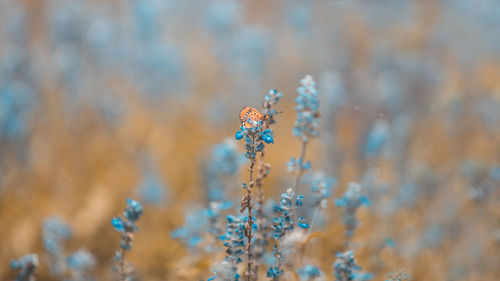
(300, 172)
(122, 270)
(248, 204)
(261, 174)
(248, 227)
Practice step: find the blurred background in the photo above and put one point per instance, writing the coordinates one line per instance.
(104, 100)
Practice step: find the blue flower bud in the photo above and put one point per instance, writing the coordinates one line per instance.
(299, 201)
(306, 166)
(238, 135)
(260, 147)
(117, 223)
(301, 222)
(268, 138)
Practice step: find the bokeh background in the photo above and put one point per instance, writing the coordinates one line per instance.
(103, 100)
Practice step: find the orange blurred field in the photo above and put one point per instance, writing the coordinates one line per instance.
(90, 89)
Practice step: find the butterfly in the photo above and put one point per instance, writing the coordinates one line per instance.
(251, 113)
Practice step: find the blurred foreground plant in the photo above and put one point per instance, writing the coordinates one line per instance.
(127, 228)
(27, 266)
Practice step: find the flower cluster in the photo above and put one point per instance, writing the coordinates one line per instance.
(225, 159)
(225, 162)
(256, 134)
(321, 190)
(309, 272)
(127, 228)
(27, 266)
(275, 272)
(79, 263)
(346, 269)
(284, 221)
(294, 165)
(350, 202)
(255, 138)
(54, 234)
(272, 98)
(307, 107)
(345, 266)
(234, 241)
(200, 223)
(263, 234)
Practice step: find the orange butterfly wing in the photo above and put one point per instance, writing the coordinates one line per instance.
(250, 113)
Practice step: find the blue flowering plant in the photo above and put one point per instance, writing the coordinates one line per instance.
(345, 268)
(286, 220)
(55, 233)
(306, 126)
(309, 273)
(126, 226)
(79, 263)
(222, 168)
(234, 242)
(256, 134)
(203, 228)
(26, 266)
(284, 223)
(350, 202)
(263, 169)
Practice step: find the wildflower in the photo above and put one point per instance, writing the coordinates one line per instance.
(27, 267)
(275, 272)
(126, 226)
(301, 222)
(54, 234)
(346, 269)
(263, 170)
(234, 241)
(321, 190)
(256, 135)
(224, 164)
(294, 165)
(284, 220)
(283, 225)
(239, 135)
(308, 272)
(307, 107)
(271, 99)
(81, 259)
(199, 223)
(306, 126)
(350, 202)
(79, 262)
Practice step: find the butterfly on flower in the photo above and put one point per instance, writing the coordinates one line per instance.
(250, 115)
